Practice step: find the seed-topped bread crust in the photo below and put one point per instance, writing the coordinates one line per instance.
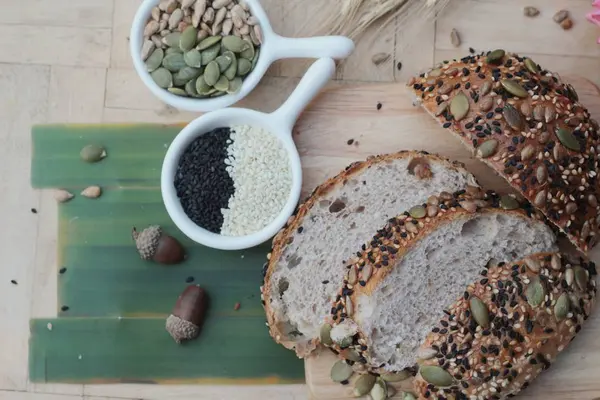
(377, 258)
(287, 233)
(527, 124)
(507, 328)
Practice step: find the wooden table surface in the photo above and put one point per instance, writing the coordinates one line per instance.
(67, 61)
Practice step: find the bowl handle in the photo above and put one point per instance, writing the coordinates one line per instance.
(337, 47)
(312, 82)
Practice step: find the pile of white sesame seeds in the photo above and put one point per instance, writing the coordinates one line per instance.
(260, 169)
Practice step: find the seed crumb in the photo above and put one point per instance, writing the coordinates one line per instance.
(531, 12)
(189, 279)
(14, 282)
(560, 16)
(325, 282)
(455, 38)
(379, 105)
(34, 211)
(237, 306)
(64, 308)
(49, 326)
(242, 256)
(399, 66)
(566, 24)
(471, 50)
(80, 357)
(350, 141)
(62, 270)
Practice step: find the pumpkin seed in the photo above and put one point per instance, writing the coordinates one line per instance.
(154, 60)
(526, 109)
(171, 50)
(569, 276)
(366, 273)
(397, 377)
(210, 54)
(441, 108)
(508, 202)
(581, 277)
(341, 371)
(480, 312)
(531, 66)
(562, 307)
(235, 85)
(486, 104)
(222, 84)
(234, 43)
(571, 92)
(541, 174)
(513, 117)
(217, 93)
(186, 74)
(187, 40)
(409, 396)
(232, 70)
(92, 153)
(426, 353)
(224, 61)
(202, 87)
(174, 62)
(555, 262)
(527, 152)
(212, 73)
(243, 67)
(344, 342)
(538, 113)
(190, 88)
(535, 292)
(571, 207)
(533, 264)
(459, 106)
(325, 334)
(193, 58)
(177, 91)
(379, 390)
(352, 276)
(255, 58)
(92, 192)
(248, 53)
(487, 148)
(540, 198)
(568, 139)
(417, 212)
(485, 88)
(364, 384)
(435, 375)
(172, 39)
(208, 42)
(435, 73)
(496, 56)
(514, 88)
(352, 355)
(162, 77)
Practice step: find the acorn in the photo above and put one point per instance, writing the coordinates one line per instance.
(187, 316)
(153, 244)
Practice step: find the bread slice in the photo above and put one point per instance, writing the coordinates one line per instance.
(511, 324)
(419, 264)
(529, 126)
(307, 262)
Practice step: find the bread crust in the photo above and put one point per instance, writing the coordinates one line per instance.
(377, 258)
(521, 338)
(304, 348)
(529, 126)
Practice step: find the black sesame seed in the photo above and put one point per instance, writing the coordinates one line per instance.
(189, 279)
(350, 141)
(64, 308)
(300, 229)
(447, 125)
(34, 211)
(14, 282)
(399, 66)
(379, 105)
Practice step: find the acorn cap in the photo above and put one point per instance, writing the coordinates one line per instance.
(180, 329)
(147, 241)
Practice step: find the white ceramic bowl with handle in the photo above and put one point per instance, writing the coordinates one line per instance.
(273, 48)
(278, 123)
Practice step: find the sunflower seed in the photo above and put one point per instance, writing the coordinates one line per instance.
(172, 39)
(193, 58)
(186, 74)
(417, 212)
(174, 62)
(155, 60)
(341, 371)
(555, 263)
(426, 353)
(549, 114)
(147, 49)
(445, 88)
(157, 40)
(486, 104)
(535, 292)
(325, 334)
(379, 391)
(508, 202)
(541, 174)
(366, 273)
(364, 384)
(432, 211)
(258, 33)
(544, 137)
(177, 91)
(568, 139)
(533, 264)
(155, 13)
(243, 67)
(411, 228)
(227, 27)
(220, 16)
(540, 198)
(151, 28)
(455, 38)
(558, 152)
(349, 306)
(199, 9)
(562, 307)
(513, 117)
(175, 18)
(92, 192)
(209, 15)
(451, 71)
(486, 88)
(469, 205)
(435, 375)
(62, 196)
(396, 377)
(210, 54)
(235, 85)
(441, 108)
(514, 88)
(581, 277)
(527, 152)
(211, 73)
(352, 276)
(480, 312)
(569, 276)
(496, 56)
(526, 109)
(459, 106)
(92, 153)
(592, 201)
(538, 113)
(221, 4)
(570, 208)
(560, 16)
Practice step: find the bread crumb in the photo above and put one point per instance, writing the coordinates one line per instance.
(237, 306)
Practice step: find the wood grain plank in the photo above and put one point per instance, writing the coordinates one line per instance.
(11, 395)
(76, 94)
(121, 25)
(415, 55)
(491, 24)
(83, 13)
(24, 100)
(30, 44)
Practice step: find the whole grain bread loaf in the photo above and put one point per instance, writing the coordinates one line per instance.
(506, 328)
(399, 283)
(307, 263)
(528, 125)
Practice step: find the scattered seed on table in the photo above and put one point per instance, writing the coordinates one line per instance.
(399, 66)
(49, 326)
(237, 306)
(33, 210)
(189, 279)
(64, 308)
(62, 270)
(471, 50)
(14, 282)
(379, 105)
(350, 141)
